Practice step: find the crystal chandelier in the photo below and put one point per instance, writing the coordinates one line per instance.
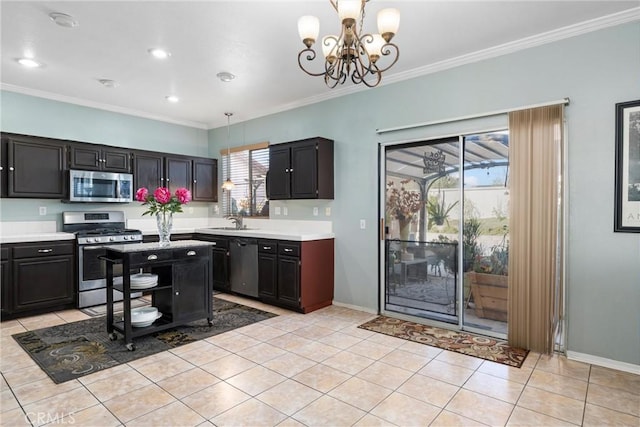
(351, 54)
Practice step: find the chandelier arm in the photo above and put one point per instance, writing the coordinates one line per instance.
(311, 55)
(334, 4)
(386, 52)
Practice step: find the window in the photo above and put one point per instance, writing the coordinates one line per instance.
(249, 166)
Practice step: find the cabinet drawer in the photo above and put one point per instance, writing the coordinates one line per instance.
(268, 246)
(186, 253)
(289, 249)
(42, 249)
(150, 257)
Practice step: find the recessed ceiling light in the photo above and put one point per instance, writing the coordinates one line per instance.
(172, 98)
(225, 76)
(108, 83)
(29, 62)
(159, 53)
(64, 20)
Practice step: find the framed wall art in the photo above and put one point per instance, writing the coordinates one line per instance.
(627, 187)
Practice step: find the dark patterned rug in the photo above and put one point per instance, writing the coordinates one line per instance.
(72, 350)
(472, 345)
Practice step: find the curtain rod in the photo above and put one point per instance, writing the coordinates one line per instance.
(564, 101)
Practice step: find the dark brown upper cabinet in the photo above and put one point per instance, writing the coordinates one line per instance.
(301, 170)
(199, 175)
(205, 180)
(99, 158)
(35, 167)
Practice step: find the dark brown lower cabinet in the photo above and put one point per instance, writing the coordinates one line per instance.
(42, 278)
(296, 275)
(219, 261)
(5, 283)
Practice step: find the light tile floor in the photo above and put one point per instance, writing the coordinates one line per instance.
(317, 369)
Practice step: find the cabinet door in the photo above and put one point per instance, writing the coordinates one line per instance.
(114, 160)
(205, 180)
(42, 282)
(147, 171)
(3, 167)
(267, 275)
(86, 157)
(192, 290)
(36, 169)
(289, 280)
(220, 269)
(279, 185)
(304, 170)
(178, 173)
(5, 284)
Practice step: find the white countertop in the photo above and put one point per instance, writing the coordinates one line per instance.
(35, 237)
(300, 236)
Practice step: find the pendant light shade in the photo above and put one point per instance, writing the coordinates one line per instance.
(228, 184)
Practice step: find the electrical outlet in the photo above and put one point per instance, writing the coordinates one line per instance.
(327, 211)
(277, 210)
(315, 211)
(363, 224)
(42, 210)
(285, 211)
(190, 210)
(216, 209)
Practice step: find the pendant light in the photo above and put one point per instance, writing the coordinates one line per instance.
(228, 184)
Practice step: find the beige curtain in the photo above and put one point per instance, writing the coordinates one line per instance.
(535, 156)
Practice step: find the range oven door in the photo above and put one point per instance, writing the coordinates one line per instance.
(92, 277)
(92, 271)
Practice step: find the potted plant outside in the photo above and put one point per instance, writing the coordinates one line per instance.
(438, 211)
(489, 282)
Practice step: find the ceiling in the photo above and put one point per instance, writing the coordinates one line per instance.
(258, 42)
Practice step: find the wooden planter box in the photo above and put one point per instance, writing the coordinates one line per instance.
(489, 295)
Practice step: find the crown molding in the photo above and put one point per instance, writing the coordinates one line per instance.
(100, 106)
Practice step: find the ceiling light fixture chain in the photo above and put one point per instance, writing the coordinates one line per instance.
(351, 54)
(228, 185)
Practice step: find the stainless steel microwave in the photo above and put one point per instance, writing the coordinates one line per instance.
(100, 187)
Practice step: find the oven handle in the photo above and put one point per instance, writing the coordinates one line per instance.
(92, 247)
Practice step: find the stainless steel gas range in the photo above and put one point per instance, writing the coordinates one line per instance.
(93, 231)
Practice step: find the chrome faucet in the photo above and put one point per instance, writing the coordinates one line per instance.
(237, 221)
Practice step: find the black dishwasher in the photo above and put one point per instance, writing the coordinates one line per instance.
(243, 260)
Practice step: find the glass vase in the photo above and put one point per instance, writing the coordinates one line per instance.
(164, 220)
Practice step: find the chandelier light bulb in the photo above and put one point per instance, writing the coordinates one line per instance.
(349, 9)
(373, 45)
(308, 28)
(330, 47)
(388, 23)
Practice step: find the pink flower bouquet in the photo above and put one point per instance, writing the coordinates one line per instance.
(162, 201)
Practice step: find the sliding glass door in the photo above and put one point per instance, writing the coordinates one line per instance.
(429, 208)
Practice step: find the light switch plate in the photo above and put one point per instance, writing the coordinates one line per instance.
(277, 210)
(363, 224)
(285, 211)
(327, 211)
(315, 211)
(42, 210)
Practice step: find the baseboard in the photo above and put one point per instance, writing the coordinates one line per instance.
(604, 362)
(355, 307)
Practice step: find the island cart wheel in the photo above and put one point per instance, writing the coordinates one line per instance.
(131, 347)
(113, 336)
(210, 322)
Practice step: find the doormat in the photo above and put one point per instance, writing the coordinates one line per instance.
(101, 310)
(69, 351)
(472, 345)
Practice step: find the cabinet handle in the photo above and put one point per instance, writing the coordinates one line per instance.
(177, 293)
(194, 181)
(266, 248)
(44, 251)
(288, 250)
(11, 168)
(286, 170)
(291, 170)
(152, 257)
(191, 253)
(213, 243)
